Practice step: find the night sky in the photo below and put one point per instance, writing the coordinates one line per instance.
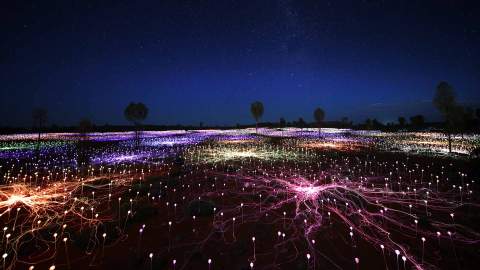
(193, 61)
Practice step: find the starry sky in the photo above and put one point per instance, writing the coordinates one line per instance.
(206, 61)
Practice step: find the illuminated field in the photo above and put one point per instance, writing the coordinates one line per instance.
(211, 199)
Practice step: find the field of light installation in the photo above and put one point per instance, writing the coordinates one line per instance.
(233, 199)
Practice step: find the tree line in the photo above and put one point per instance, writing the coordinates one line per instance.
(456, 118)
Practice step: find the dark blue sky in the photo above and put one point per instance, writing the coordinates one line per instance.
(192, 61)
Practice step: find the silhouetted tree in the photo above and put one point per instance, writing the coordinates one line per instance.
(83, 157)
(301, 123)
(136, 113)
(40, 117)
(376, 123)
(344, 121)
(84, 127)
(368, 123)
(319, 115)
(417, 120)
(401, 121)
(282, 124)
(257, 111)
(444, 101)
